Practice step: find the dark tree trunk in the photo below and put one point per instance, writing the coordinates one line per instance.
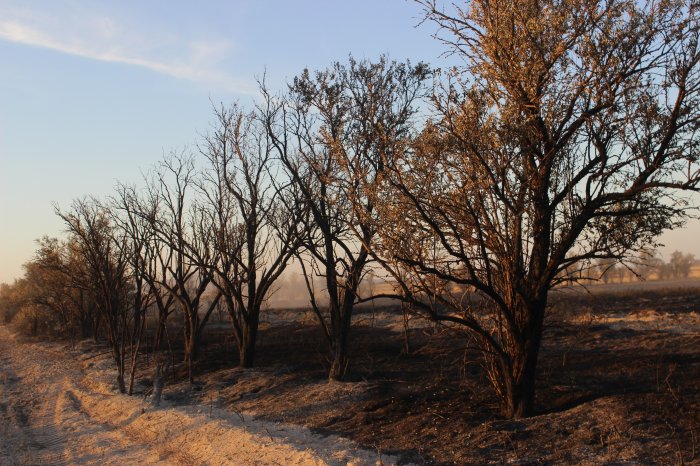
(120, 369)
(160, 331)
(159, 378)
(519, 399)
(85, 327)
(340, 360)
(136, 347)
(120, 383)
(191, 344)
(341, 331)
(246, 348)
(96, 321)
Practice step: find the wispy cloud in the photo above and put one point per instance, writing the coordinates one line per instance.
(104, 39)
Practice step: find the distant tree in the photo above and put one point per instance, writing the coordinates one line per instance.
(50, 288)
(569, 135)
(647, 264)
(10, 299)
(665, 271)
(680, 264)
(53, 291)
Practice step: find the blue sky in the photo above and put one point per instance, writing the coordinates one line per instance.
(92, 92)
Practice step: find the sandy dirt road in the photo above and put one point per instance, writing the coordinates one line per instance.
(45, 422)
(54, 411)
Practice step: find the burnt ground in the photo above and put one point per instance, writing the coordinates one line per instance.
(618, 383)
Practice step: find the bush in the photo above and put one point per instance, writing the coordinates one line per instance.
(33, 320)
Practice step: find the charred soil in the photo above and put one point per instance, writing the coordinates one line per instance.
(618, 381)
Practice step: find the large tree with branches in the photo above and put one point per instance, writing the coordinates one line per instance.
(569, 135)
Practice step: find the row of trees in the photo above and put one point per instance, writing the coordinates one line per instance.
(567, 136)
(218, 227)
(647, 266)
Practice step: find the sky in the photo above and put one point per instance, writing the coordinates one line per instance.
(95, 92)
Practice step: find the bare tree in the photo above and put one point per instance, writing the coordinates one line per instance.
(255, 214)
(138, 241)
(177, 222)
(12, 299)
(90, 225)
(568, 135)
(53, 286)
(57, 292)
(334, 134)
(158, 260)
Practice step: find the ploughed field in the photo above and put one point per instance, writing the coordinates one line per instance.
(618, 382)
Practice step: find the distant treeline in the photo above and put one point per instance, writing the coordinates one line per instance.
(649, 266)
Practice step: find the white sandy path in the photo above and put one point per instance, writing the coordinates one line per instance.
(53, 412)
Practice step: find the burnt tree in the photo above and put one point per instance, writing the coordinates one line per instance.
(568, 136)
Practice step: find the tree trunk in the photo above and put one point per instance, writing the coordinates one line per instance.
(188, 361)
(159, 335)
(158, 383)
(246, 349)
(191, 344)
(520, 386)
(341, 331)
(134, 358)
(85, 327)
(132, 377)
(520, 401)
(190, 356)
(340, 361)
(120, 380)
(340, 346)
(96, 327)
(117, 355)
(194, 334)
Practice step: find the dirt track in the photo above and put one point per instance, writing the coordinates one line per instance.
(47, 424)
(54, 412)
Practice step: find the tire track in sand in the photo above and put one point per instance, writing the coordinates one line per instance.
(47, 437)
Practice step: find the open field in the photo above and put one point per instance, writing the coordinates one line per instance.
(618, 383)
